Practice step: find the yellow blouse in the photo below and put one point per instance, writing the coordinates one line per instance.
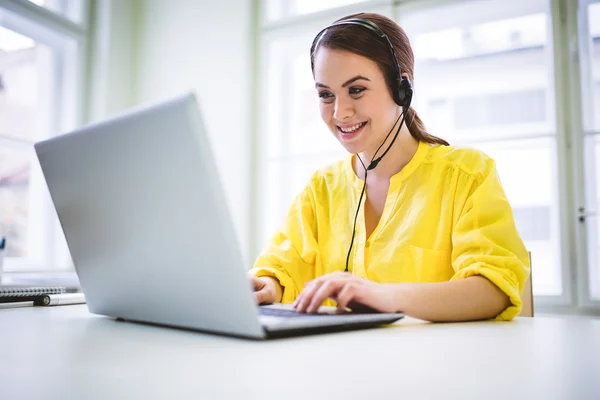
(445, 217)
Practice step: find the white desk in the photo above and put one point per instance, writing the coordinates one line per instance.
(66, 353)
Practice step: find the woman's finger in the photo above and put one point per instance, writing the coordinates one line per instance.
(306, 296)
(257, 284)
(261, 296)
(326, 290)
(345, 295)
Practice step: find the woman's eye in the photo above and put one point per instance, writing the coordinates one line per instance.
(356, 90)
(325, 95)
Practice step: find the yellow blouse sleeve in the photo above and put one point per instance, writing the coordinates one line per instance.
(293, 251)
(486, 241)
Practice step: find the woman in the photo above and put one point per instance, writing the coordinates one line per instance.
(406, 223)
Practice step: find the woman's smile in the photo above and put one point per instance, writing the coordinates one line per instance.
(350, 131)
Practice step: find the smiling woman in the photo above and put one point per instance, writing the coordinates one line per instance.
(436, 237)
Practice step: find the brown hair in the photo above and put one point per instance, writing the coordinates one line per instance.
(354, 39)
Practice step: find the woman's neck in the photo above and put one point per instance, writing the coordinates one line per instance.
(400, 154)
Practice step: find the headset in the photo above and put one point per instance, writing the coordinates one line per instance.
(402, 95)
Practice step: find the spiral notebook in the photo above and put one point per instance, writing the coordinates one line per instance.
(10, 294)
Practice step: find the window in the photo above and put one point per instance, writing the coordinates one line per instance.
(39, 80)
(523, 106)
(590, 51)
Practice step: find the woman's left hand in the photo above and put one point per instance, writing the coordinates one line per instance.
(344, 288)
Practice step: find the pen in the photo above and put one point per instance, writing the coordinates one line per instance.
(62, 299)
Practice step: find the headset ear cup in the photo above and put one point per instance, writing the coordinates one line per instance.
(405, 93)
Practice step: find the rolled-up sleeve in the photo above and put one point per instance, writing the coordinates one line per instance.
(485, 240)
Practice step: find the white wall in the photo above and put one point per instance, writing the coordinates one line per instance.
(112, 67)
(204, 45)
(150, 50)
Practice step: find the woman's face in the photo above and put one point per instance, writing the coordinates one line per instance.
(354, 100)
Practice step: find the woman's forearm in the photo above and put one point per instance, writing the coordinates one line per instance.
(472, 298)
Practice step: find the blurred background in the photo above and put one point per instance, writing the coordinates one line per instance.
(519, 80)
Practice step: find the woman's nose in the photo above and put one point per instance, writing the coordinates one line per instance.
(342, 109)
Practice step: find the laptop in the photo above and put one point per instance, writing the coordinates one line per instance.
(140, 203)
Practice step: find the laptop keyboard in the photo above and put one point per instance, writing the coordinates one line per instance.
(273, 312)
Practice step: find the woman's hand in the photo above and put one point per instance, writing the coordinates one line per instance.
(266, 289)
(345, 288)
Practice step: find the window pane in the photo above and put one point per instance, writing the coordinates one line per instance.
(594, 228)
(21, 91)
(307, 131)
(485, 80)
(38, 97)
(278, 9)
(14, 198)
(527, 170)
(21, 100)
(291, 116)
(72, 9)
(592, 110)
(275, 79)
(590, 90)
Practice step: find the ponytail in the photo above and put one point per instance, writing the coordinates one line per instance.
(418, 131)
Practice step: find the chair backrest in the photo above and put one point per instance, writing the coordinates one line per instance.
(527, 297)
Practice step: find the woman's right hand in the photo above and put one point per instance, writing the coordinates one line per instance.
(267, 290)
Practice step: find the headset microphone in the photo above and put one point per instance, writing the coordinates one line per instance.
(375, 161)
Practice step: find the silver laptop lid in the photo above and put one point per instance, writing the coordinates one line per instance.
(145, 218)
